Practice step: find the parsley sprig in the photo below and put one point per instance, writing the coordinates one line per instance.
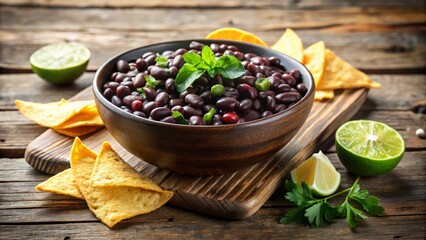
(316, 211)
(227, 66)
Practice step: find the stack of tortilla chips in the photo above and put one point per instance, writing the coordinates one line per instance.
(69, 118)
(113, 190)
(328, 70)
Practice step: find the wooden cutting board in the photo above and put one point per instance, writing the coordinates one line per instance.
(236, 195)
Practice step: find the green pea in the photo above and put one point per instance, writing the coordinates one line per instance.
(209, 116)
(262, 84)
(217, 89)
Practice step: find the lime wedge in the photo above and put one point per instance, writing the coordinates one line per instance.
(60, 63)
(319, 173)
(369, 148)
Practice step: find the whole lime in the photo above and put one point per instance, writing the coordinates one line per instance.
(369, 148)
(60, 63)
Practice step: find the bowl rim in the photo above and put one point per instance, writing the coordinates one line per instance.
(259, 121)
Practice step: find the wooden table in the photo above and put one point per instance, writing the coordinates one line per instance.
(385, 39)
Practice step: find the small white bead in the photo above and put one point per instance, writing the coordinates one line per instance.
(420, 133)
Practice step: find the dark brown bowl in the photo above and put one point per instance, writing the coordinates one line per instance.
(202, 150)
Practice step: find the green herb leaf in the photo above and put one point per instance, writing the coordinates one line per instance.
(152, 82)
(295, 215)
(208, 56)
(370, 204)
(179, 118)
(187, 75)
(351, 213)
(229, 67)
(141, 92)
(192, 58)
(161, 61)
(207, 118)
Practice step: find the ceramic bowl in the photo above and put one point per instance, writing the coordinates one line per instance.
(202, 150)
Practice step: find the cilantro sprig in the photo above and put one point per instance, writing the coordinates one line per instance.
(161, 61)
(317, 211)
(228, 66)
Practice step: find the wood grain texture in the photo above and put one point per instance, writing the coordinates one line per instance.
(236, 195)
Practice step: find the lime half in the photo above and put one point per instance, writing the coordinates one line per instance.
(60, 63)
(319, 173)
(369, 148)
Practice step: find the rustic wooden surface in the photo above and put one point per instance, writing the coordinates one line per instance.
(386, 39)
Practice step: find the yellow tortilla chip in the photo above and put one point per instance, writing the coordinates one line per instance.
(314, 60)
(77, 131)
(290, 44)
(84, 118)
(61, 183)
(339, 74)
(126, 197)
(323, 94)
(51, 114)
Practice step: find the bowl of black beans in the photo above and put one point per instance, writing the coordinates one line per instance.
(203, 107)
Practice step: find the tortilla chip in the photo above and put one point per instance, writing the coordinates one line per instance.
(77, 131)
(126, 197)
(51, 114)
(121, 196)
(323, 94)
(87, 117)
(290, 44)
(339, 74)
(61, 183)
(314, 60)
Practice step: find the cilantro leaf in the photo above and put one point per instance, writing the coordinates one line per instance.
(151, 81)
(370, 204)
(351, 213)
(161, 61)
(296, 215)
(299, 195)
(187, 75)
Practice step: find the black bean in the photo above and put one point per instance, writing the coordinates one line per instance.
(196, 45)
(159, 73)
(203, 80)
(150, 93)
(113, 76)
(283, 88)
(250, 80)
(123, 66)
(270, 103)
(280, 107)
(180, 51)
(232, 48)
(147, 54)
(139, 113)
(207, 96)
(132, 73)
(252, 68)
(287, 97)
(141, 64)
(168, 119)
(173, 71)
(227, 104)
(139, 80)
(150, 60)
(207, 108)
(266, 113)
(187, 91)
(126, 109)
(162, 98)
(258, 61)
(265, 70)
(239, 55)
(228, 52)
(247, 91)
(222, 47)
(217, 79)
(120, 77)
(274, 82)
(264, 94)
(148, 107)
(123, 91)
(274, 61)
(160, 113)
(218, 54)
(260, 75)
(175, 102)
(231, 92)
(113, 85)
(245, 106)
(214, 47)
(170, 85)
(177, 108)
(116, 101)
(289, 79)
(194, 100)
(108, 93)
(301, 87)
(189, 111)
(178, 61)
(128, 84)
(217, 119)
(250, 116)
(296, 75)
(128, 100)
(196, 120)
(168, 53)
(249, 56)
(257, 105)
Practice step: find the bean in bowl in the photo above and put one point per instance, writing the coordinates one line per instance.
(204, 85)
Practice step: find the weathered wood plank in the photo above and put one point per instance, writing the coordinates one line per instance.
(169, 223)
(217, 4)
(70, 19)
(373, 52)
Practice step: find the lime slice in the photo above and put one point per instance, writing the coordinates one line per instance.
(369, 148)
(319, 173)
(60, 63)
